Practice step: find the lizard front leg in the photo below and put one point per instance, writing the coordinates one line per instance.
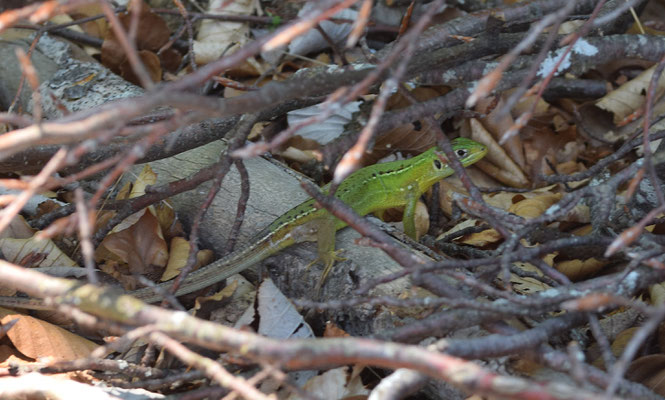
(409, 217)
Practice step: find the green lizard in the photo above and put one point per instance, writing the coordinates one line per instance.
(370, 189)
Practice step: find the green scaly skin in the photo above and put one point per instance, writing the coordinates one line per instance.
(370, 189)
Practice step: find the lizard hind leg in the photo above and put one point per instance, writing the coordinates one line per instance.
(328, 259)
(326, 247)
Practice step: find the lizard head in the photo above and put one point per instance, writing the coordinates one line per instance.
(433, 164)
(466, 150)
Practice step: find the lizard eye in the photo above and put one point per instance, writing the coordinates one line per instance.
(437, 164)
(461, 153)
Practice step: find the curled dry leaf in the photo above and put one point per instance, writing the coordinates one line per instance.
(622, 339)
(649, 371)
(141, 246)
(17, 229)
(151, 35)
(535, 200)
(312, 40)
(10, 356)
(151, 62)
(146, 177)
(138, 240)
(446, 191)
(334, 331)
(421, 218)
(279, 319)
(528, 205)
(577, 270)
(535, 206)
(527, 285)
(630, 97)
(657, 294)
(325, 131)
(97, 27)
(334, 384)
(225, 293)
(37, 339)
(217, 38)
(479, 239)
(529, 102)
(15, 250)
(504, 168)
(412, 137)
(498, 125)
(171, 226)
(178, 258)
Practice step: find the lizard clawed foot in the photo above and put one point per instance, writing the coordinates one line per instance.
(328, 260)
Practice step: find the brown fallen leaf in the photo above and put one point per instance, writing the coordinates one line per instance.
(498, 125)
(649, 371)
(505, 169)
(152, 34)
(630, 97)
(11, 356)
(38, 339)
(178, 258)
(141, 246)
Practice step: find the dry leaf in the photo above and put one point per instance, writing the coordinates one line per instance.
(421, 219)
(326, 131)
(152, 65)
(279, 319)
(649, 371)
(178, 258)
(225, 37)
(577, 270)
(630, 96)
(480, 239)
(312, 40)
(152, 34)
(657, 294)
(334, 331)
(166, 216)
(15, 250)
(416, 136)
(535, 206)
(526, 103)
(446, 192)
(96, 28)
(506, 170)
(11, 356)
(124, 191)
(37, 339)
(334, 384)
(17, 229)
(223, 294)
(528, 285)
(141, 246)
(498, 125)
(622, 339)
(146, 178)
